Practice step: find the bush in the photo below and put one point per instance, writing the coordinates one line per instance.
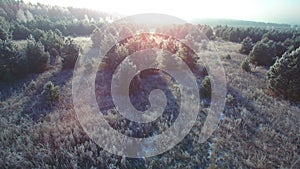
(41, 22)
(263, 53)
(280, 49)
(38, 59)
(78, 29)
(38, 34)
(53, 40)
(246, 65)
(20, 32)
(13, 63)
(247, 45)
(70, 54)
(51, 93)
(228, 57)
(21, 69)
(205, 88)
(278, 35)
(8, 59)
(32, 86)
(233, 35)
(283, 77)
(3, 34)
(208, 31)
(297, 42)
(288, 42)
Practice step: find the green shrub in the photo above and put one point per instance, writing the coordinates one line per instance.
(297, 42)
(20, 32)
(40, 22)
(283, 77)
(70, 54)
(228, 57)
(53, 40)
(13, 63)
(208, 31)
(38, 34)
(51, 93)
(280, 49)
(246, 65)
(229, 99)
(4, 35)
(288, 42)
(247, 46)
(233, 35)
(22, 68)
(32, 86)
(38, 59)
(8, 59)
(205, 88)
(78, 28)
(263, 53)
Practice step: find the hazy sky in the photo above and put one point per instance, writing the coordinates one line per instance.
(279, 11)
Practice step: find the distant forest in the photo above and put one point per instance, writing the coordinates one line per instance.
(19, 19)
(242, 23)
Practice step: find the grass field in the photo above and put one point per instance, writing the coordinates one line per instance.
(257, 131)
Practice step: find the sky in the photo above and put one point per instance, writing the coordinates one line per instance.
(277, 11)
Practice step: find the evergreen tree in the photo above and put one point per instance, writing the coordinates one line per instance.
(283, 76)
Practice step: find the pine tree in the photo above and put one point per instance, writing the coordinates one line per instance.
(263, 53)
(283, 76)
(247, 45)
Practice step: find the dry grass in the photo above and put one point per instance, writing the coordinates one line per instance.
(258, 131)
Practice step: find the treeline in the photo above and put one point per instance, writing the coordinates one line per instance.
(237, 34)
(198, 32)
(45, 29)
(263, 46)
(18, 20)
(278, 50)
(241, 23)
(39, 54)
